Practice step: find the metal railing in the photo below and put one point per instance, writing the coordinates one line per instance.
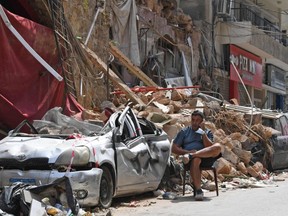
(245, 14)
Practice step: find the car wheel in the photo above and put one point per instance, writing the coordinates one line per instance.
(106, 188)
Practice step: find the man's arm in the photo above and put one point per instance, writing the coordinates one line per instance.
(206, 137)
(178, 150)
(206, 141)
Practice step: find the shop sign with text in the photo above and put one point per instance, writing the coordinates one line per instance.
(248, 65)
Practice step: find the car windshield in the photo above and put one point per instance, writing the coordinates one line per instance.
(107, 128)
(271, 123)
(279, 124)
(284, 124)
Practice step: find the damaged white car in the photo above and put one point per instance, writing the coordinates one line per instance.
(127, 156)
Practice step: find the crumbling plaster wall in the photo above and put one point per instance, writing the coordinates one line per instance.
(80, 15)
(167, 22)
(178, 27)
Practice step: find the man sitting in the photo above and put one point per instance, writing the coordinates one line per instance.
(196, 142)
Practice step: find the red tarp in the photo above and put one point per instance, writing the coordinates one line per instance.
(27, 89)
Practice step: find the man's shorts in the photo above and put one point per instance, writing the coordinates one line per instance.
(205, 162)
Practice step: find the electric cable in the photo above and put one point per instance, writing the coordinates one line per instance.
(252, 105)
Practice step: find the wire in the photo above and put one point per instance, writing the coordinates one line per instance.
(252, 105)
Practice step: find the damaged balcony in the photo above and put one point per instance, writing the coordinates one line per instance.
(254, 33)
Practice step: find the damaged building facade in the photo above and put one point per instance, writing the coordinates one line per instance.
(252, 35)
(233, 50)
(217, 42)
(103, 48)
(173, 42)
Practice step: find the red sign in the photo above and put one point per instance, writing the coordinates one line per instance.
(249, 67)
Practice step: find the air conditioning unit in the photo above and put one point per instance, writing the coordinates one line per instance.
(224, 8)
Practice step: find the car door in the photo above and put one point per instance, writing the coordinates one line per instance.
(280, 155)
(132, 157)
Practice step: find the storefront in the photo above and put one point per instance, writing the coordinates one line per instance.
(275, 87)
(245, 69)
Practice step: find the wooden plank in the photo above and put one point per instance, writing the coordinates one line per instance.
(112, 76)
(133, 69)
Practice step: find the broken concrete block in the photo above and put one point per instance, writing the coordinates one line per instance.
(236, 144)
(159, 118)
(208, 174)
(244, 155)
(227, 141)
(175, 95)
(235, 136)
(159, 95)
(143, 114)
(176, 105)
(245, 142)
(220, 133)
(164, 109)
(181, 119)
(89, 114)
(223, 166)
(164, 101)
(192, 102)
(242, 168)
(209, 186)
(230, 156)
(252, 172)
(258, 167)
(211, 126)
(221, 177)
(171, 109)
(144, 98)
(152, 109)
(233, 172)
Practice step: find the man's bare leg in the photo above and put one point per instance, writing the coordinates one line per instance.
(195, 173)
(211, 151)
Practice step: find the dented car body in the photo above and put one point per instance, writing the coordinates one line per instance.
(127, 156)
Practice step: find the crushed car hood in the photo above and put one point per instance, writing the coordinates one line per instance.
(23, 148)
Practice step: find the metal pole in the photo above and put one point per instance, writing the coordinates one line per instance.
(92, 26)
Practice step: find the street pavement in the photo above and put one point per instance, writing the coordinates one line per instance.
(271, 200)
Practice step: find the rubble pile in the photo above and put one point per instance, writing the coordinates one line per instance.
(169, 10)
(171, 110)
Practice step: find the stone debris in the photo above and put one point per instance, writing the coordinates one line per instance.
(231, 129)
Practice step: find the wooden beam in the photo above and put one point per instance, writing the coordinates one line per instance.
(112, 76)
(133, 69)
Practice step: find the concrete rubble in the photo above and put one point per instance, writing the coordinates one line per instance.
(171, 110)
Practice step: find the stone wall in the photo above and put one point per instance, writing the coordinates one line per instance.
(80, 15)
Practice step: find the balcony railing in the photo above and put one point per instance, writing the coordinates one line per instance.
(245, 14)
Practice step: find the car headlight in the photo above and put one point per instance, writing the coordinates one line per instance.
(80, 155)
(81, 194)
